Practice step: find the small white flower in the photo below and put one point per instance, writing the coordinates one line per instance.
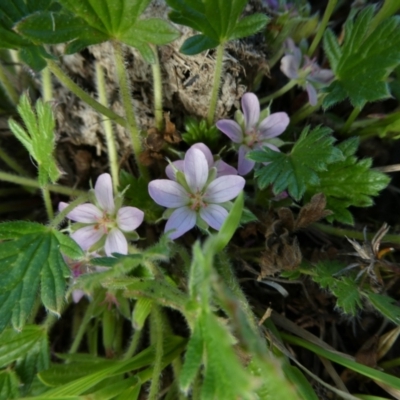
(104, 220)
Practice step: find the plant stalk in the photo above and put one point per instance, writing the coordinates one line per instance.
(216, 84)
(12, 163)
(108, 130)
(305, 111)
(79, 92)
(157, 91)
(128, 106)
(19, 180)
(47, 202)
(352, 117)
(47, 87)
(9, 89)
(156, 326)
(279, 92)
(322, 26)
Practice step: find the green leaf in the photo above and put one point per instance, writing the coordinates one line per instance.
(39, 138)
(193, 359)
(17, 229)
(299, 381)
(365, 60)
(152, 30)
(50, 28)
(68, 246)
(15, 345)
(231, 223)
(348, 295)
(248, 26)
(349, 182)
(9, 385)
(217, 21)
(385, 305)
(196, 44)
(141, 311)
(28, 262)
(310, 155)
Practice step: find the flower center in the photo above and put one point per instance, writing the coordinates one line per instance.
(196, 201)
(105, 223)
(251, 137)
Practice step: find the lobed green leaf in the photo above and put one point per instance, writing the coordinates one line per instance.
(385, 305)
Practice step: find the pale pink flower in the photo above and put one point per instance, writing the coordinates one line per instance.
(254, 134)
(305, 70)
(222, 167)
(197, 194)
(104, 219)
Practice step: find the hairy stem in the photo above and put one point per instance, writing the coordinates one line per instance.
(156, 326)
(331, 230)
(47, 202)
(128, 106)
(305, 111)
(9, 89)
(108, 130)
(216, 84)
(352, 117)
(61, 215)
(322, 26)
(12, 163)
(279, 92)
(19, 180)
(84, 324)
(79, 92)
(47, 87)
(157, 91)
(133, 345)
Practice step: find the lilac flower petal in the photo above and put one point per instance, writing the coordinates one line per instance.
(169, 170)
(104, 193)
(289, 66)
(231, 129)
(77, 295)
(273, 125)
(62, 205)
(312, 94)
(196, 169)
(271, 146)
(129, 218)
(206, 151)
(86, 213)
(322, 76)
(87, 236)
(181, 220)
(168, 193)
(224, 169)
(214, 215)
(116, 243)
(244, 165)
(251, 110)
(224, 189)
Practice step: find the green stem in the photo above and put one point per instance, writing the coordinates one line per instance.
(305, 111)
(108, 130)
(61, 215)
(19, 180)
(47, 87)
(157, 91)
(331, 230)
(354, 114)
(9, 89)
(156, 326)
(90, 310)
(133, 345)
(79, 92)
(216, 84)
(279, 92)
(47, 202)
(128, 106)
(322, 26)
(12, 163)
